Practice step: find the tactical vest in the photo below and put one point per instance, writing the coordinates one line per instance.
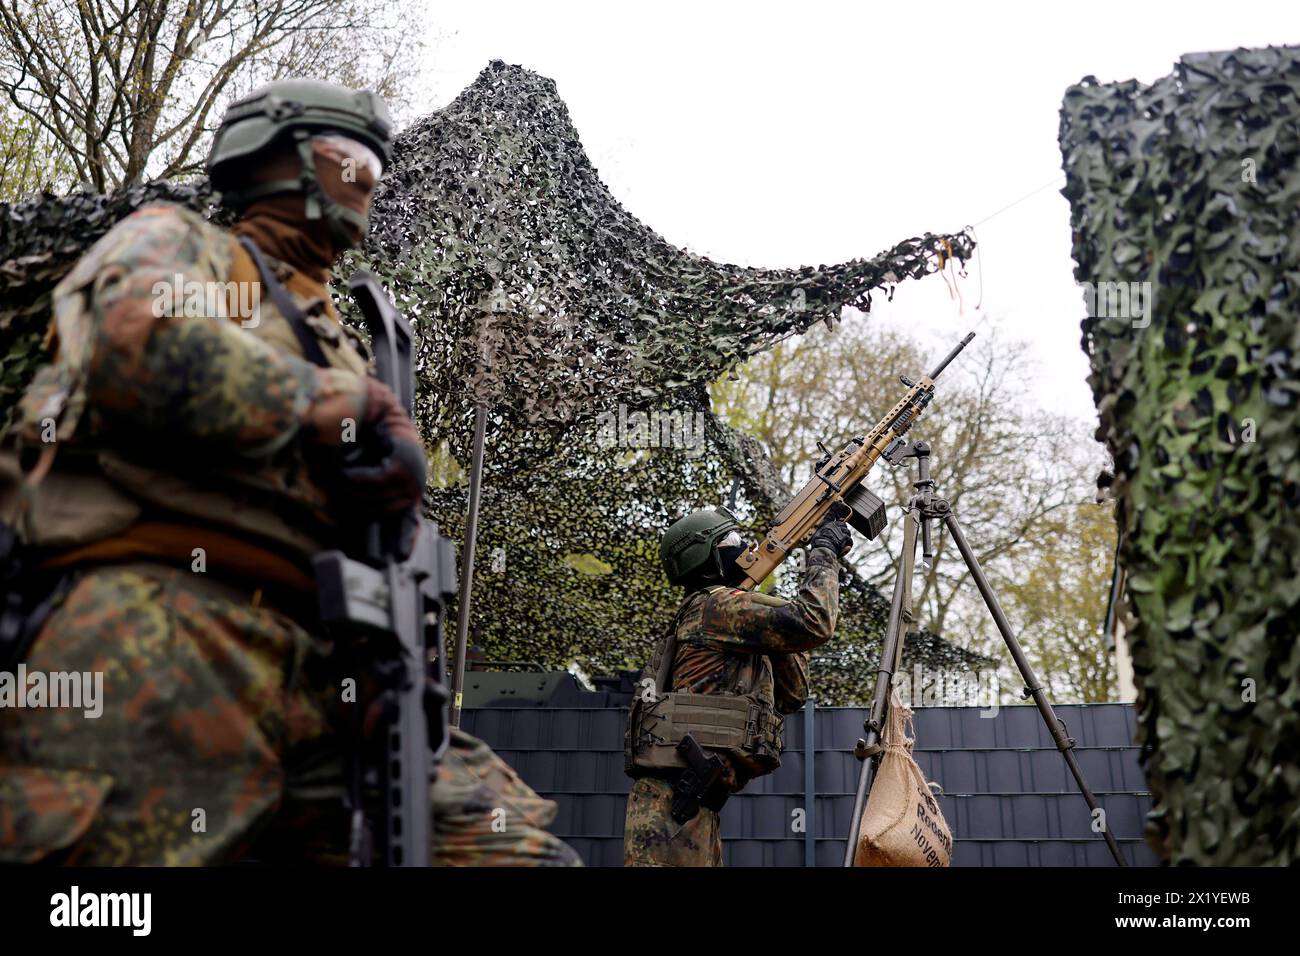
(737, 724)
(94, 493)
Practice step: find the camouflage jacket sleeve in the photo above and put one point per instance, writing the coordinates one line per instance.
(141, 360)
(741, 621)
(790, 680)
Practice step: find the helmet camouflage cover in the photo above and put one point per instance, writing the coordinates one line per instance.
(687, 546)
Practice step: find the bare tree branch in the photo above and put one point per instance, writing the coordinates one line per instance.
(126, 89)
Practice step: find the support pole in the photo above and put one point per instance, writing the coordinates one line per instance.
(925, 507)
(810, 782)
(890, 654)
(1033, 689)
(467, 564)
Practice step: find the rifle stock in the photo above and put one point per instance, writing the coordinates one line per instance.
(837, 478)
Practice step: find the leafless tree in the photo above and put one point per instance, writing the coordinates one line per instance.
(131, 89)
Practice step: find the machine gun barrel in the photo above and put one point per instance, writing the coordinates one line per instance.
(838, 478)
(951, 355)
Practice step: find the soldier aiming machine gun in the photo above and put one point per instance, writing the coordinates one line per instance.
(838, 478)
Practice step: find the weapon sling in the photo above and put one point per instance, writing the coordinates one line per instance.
(307, 340)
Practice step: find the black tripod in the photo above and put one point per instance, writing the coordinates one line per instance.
(924, 508)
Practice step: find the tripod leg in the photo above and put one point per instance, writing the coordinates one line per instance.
(1064, 743)
(890, 654)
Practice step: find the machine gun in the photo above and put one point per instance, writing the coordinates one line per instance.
(839, 477)
(389, 610)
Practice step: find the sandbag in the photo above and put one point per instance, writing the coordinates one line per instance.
(902, 824)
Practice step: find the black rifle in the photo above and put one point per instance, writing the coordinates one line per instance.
(392, 608)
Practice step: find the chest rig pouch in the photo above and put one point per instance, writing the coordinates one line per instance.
(737, 725)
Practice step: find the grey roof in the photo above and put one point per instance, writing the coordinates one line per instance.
(1008, 796)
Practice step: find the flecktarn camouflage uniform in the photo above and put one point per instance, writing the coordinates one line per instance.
(221, 734)
(730, 639)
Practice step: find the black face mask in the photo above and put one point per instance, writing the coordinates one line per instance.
(732, 573)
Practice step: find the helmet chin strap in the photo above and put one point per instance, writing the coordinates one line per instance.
(318, 204)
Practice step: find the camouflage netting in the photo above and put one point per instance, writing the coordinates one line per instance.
(1193, 185)
(535, 294)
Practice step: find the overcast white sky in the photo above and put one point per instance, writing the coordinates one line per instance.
(782, 134)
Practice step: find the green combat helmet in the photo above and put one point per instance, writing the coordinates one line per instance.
(687, 547)
(297, 110)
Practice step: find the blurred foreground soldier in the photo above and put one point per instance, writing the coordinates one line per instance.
(174, 472)
(708, 712)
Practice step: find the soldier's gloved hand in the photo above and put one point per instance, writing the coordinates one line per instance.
(338, 406)
(833, 532)
(388, 468)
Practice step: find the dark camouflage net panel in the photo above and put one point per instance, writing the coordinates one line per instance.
(533, 292)
(1193, 185)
